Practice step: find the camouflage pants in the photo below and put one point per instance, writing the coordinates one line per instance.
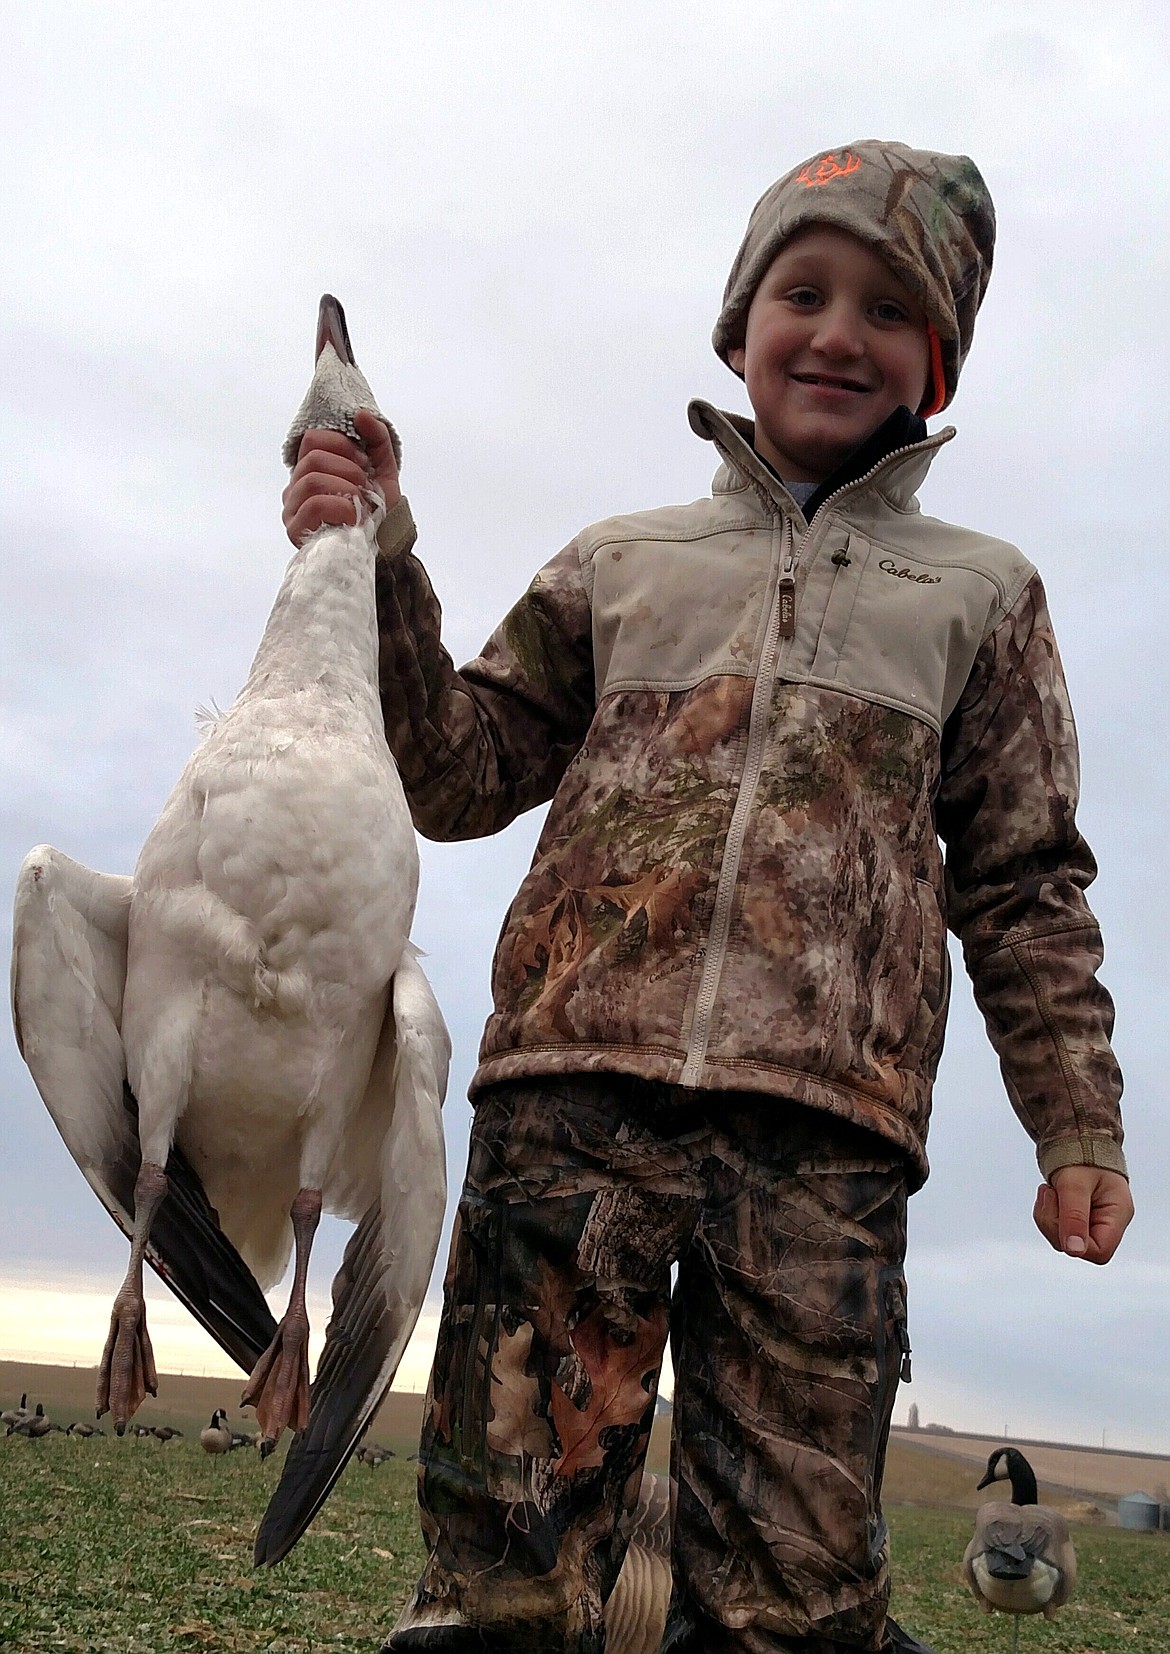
(788, 1332)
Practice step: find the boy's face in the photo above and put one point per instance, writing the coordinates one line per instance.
(834, 343)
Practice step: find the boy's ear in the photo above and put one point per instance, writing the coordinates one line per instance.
(737, 359)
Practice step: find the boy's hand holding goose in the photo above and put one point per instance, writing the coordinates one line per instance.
(331, 473)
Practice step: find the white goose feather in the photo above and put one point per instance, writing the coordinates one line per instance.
(248, 1012)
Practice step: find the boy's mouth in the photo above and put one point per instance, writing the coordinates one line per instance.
(830, 381)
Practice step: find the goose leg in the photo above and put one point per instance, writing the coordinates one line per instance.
(279, 1386)
(127, 1371)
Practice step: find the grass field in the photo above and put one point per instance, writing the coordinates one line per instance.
(138, 1547)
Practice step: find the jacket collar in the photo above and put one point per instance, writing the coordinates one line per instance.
(897, 476)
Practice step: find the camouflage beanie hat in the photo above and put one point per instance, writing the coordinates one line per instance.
(929, 216)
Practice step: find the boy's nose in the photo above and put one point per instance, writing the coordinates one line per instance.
(838, 333)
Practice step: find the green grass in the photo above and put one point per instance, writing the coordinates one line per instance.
(144, 1548)
(140, 1548)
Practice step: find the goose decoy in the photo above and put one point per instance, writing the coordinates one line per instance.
(14, 1415)
(216, 1437)
(241, 1035)
(1021, 1558)
(33, 1425)
(374, 1454)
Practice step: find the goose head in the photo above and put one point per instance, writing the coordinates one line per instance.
(1008, 1464)
(338, 387)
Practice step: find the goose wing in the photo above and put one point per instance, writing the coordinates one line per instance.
(379, 1289)
(70, 929)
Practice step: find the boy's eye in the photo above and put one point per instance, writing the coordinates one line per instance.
(888, 310)
(806, 297)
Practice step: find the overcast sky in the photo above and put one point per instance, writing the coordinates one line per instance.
(529, 213)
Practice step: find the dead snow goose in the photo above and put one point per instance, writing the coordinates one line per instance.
(1021, 1558)
(241, 1035)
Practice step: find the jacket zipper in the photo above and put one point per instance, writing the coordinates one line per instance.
(737, 828)
(782, 626)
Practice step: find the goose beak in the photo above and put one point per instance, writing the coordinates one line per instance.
(331, 329)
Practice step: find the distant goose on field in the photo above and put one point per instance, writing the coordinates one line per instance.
(374, 1454)
(34, 1425)
(14, 1415)
(241, 1036)
(1021, 1558)
(80, 1428)
(165, 1432)
(216, 1437)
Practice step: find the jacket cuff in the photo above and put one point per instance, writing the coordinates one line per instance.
(1088, 1150)
(397, 533)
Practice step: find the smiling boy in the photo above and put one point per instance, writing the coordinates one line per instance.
(720, 992)
(834, 342)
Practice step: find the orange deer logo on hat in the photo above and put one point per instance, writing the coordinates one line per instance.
(826, 169)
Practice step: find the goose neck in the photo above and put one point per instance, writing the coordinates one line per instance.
(323, 623)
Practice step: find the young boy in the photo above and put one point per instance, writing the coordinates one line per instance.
(720, 991)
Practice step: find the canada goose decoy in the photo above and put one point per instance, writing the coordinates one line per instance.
(216, 1437)
(14, 1415)
(240, 1035)
(1021, 1558)
(33, 1425)
(374, 1454)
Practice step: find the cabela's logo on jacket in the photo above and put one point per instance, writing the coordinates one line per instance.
(888, 566)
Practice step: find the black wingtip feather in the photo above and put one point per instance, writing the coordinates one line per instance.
(190, 1252)
(349, 1388)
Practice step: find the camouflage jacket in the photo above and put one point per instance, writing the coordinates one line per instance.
(755, 731)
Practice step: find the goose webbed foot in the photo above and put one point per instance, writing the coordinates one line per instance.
(127, 1373)
(279, 1386)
